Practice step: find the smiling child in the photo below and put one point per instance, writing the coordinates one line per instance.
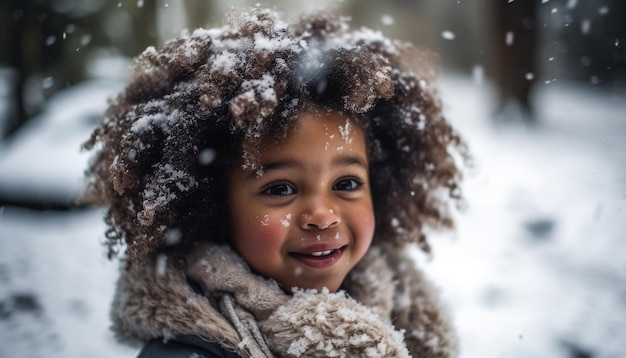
(266, 182)
(308, 219)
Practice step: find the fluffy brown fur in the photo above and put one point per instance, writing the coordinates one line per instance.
(200, 104)
(155, 300)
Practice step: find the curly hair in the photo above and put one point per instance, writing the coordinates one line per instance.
(202, 103)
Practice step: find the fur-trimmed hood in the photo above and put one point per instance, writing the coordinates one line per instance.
(385, 308)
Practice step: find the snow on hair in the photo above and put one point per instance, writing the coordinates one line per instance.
(224, 89)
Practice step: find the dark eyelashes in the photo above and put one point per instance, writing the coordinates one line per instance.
(285, 187)
(356, 179)
(358, 183)
(274, 187)
(275, 183)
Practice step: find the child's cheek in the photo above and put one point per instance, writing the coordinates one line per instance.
(366, 222)
(270, 231)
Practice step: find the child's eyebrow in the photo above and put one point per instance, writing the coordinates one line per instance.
(277, 165)
(348, 160)
(340, 161)
(281, 164)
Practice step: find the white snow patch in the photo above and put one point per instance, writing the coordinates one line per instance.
(286, 221)
(346, 131)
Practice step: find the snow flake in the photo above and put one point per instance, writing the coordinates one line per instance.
(297, 347)
(206, 156)
(47, 82)
(286, 221)
(367, 37)
(387, 20)
(585, 26)
(345, 131)
(347, 314)
(263, 43)
(432, 342)
(358, 339)
(509, 38)
(313, 334)
(161, 265)
(448, 35)
(478, 74)
(173, 237)
(225, 63)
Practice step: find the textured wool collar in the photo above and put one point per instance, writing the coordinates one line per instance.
(253, 316)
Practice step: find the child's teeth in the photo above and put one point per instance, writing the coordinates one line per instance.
(321, 253)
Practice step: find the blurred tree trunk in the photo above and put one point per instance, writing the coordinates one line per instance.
(515, 51)
(48, 48)
(23, 49)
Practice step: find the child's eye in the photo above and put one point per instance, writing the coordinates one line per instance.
(279, 189)
(347, 184)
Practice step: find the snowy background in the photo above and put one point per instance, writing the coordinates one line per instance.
(535, 268)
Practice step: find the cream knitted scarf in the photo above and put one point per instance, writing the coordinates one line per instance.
(385, 308)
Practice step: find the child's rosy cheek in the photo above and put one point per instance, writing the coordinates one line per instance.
(274, 221)
(271, 228)
(365, 219)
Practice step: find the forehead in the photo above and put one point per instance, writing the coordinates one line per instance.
(336, 130)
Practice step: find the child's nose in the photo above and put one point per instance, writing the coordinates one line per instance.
(319, 216)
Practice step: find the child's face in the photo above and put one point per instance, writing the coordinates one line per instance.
(308, 219)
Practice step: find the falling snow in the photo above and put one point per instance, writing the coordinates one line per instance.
(387, 20)
(448, 35)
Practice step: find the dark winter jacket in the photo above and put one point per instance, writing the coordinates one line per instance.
(185, 347)
(385, 309)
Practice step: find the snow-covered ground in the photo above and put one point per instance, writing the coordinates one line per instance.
(536, 267)
(43, 159)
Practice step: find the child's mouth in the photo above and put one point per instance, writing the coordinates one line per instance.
(321, 253)
(319, 259)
